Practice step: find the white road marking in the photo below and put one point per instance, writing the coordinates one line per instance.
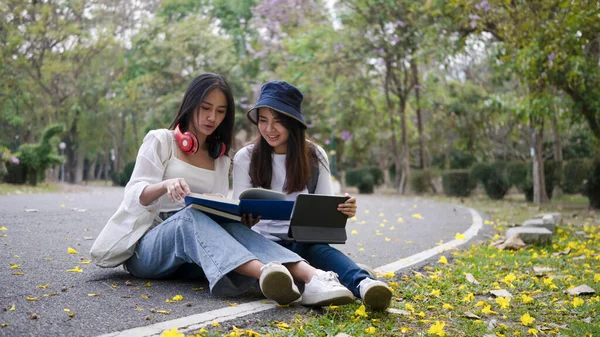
(193, 323)
(424, 255)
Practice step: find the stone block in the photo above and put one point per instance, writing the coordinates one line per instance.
(531, 235)
(546, 222)
(556, 215)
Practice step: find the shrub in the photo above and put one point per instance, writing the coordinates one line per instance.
(493, 177)
(516, 172)
(575, 173)
(34, 159)
(458, 183)
(366, 184)
(123, 177)
(592, 187)
(355, 177)
(420, 180)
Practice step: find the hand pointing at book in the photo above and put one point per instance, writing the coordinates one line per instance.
(176, 188)
(348, 207)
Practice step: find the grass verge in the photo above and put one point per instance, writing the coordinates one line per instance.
(439, 300)
(10, 189)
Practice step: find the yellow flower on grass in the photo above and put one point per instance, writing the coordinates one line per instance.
(172, 333)
(459, 236)
(533, 331)
(371, 330)
(362, 311)
(283, 326)
(508, 279)
(72, 251)
(468, 298)
(488, 310)
(405, 330)
(437, 329)
(409, 307)
(480, 304)
(527, 319)
(443, 260)
(503, 302)
(215, 324)
(577, 302)
(447, 306)
(435, 292)
(388, 275)
(526, 299)
(597, 278)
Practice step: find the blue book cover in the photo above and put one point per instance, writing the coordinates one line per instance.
(263, 203)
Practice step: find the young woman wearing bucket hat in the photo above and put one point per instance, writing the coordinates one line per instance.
(154, 237)
(281, 159)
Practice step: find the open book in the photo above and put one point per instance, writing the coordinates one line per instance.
(270, 205)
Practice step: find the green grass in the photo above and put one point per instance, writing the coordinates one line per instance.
(439, 295)
(10, 189)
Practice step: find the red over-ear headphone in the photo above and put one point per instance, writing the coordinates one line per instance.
(187, 141)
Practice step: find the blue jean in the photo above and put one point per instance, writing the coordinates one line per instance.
(190, 244)
(325, 257)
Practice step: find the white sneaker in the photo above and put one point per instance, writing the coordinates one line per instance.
(277, 284)
(325, 289)
(375, 294)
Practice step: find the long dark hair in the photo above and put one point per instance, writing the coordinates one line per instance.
(301, 155)
(194, 95)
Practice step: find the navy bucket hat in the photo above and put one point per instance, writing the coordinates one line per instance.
(281, 97)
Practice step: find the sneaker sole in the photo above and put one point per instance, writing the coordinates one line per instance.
(378, 298)
(278, 286)
(339, 297)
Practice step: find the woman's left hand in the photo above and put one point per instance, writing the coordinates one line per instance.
(348, 207)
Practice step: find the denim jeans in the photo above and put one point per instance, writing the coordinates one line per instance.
(190, 244)
(325, 257)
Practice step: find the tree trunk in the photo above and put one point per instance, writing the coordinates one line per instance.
(390, 109)
(405, 153)
(423, 162)
(539, 182)
(557, 191)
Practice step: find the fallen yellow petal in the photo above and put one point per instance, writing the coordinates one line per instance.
(72, 251)
(85, 262)
(12, 308)
(93, 295)
(15, 266)
(2, 228)
(31, 298)
(75, 270)
(459, 236)
(43, 287)
(417, 216)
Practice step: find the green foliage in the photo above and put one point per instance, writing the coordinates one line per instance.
(516, 172)
(458, 183)
(575, 174)
(458, 160)
(494, 178)
(421, 180)
(592, 188)
(34, 159)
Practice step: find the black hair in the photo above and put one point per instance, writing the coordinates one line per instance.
(300, 156)
(194, 95)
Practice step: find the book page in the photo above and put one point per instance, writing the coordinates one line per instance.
(213, 197)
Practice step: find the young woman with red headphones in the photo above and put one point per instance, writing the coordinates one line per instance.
(190, 156)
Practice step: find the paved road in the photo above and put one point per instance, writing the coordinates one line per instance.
(100, 300)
